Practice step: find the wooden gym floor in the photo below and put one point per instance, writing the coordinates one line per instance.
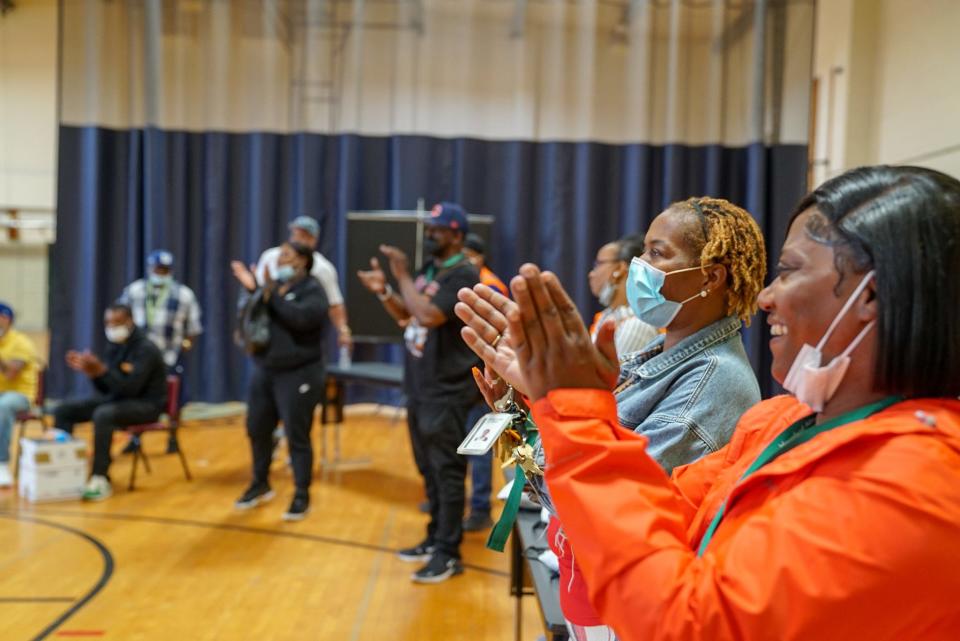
(173, 560)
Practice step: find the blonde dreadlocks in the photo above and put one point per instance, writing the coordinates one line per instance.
(728, 235)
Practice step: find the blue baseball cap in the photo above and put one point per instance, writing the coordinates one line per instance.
(307, 224)
(160, 258)
(449, 215)
(6, 310)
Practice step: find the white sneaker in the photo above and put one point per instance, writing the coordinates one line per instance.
(98, 488)
(6, 479)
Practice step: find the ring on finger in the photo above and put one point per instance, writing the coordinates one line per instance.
(496, 341)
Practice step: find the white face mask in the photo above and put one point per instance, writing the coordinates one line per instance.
(807, 380)
(606, 294)
(117, 333)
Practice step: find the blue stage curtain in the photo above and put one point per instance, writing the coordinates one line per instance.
(212, 197)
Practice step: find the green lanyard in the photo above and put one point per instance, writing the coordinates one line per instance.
(155, 300)
(432, 272)
(797, 434)
(501, 531)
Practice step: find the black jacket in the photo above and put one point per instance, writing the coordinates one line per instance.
(135, 370)
(298, 321)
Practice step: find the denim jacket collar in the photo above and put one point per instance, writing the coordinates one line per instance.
(654, 362)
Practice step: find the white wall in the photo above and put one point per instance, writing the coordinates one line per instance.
(28, 131)
(895, 97)
(24, 283)
(28, 104)
(917, 93)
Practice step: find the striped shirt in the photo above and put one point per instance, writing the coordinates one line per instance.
(632, 334)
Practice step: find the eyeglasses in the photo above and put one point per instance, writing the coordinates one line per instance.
(597, 263)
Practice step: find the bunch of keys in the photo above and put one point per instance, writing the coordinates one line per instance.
(523, 456)
(515, 451)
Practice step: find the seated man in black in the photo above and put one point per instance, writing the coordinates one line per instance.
(131, 389)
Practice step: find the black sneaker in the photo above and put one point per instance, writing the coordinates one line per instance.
(299, 507)
(418, 553)
(132, 445)
(477, 522)
(439, 568)
(256, 494)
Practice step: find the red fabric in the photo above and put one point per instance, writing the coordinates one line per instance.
(851, 536)
(574, 601)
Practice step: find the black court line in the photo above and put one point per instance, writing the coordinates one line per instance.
(247, 530)
(104, 576)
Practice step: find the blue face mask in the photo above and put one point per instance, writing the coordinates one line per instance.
(644, 282)
(285, 273)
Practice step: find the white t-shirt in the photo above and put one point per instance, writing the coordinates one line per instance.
(323, 270)
(631, 335)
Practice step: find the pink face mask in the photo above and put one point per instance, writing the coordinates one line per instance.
(812, 383)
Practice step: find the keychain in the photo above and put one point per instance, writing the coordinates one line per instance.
(523, 456)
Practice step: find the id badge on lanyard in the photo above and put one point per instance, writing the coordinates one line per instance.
(486, 432)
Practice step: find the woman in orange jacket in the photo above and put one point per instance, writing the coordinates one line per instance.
(833, 513)
(703, 265)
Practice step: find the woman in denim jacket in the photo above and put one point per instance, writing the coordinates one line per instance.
(686, 389)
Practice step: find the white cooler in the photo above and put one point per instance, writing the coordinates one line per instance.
(51, 470)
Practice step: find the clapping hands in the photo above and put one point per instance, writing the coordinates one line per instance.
(86, 363)
(537, 342)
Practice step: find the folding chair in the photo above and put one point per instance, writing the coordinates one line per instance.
(170, 426)
(35, 413)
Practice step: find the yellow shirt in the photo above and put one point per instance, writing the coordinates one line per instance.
(15, 346)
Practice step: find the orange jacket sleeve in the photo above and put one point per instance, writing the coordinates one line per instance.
(694, 480)
(836, 556)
